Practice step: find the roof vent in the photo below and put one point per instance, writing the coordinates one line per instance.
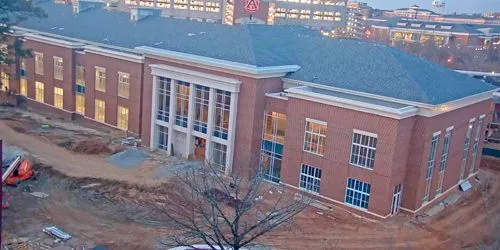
(137, 14)
(84, 5)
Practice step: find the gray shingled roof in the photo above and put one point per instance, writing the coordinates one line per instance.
(353, 65)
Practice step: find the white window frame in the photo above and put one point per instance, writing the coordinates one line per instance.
(354, 191)
(58, 68)
(162, 145)
(39, 91)
(80, 80)
(123, 85)
(443, 164)
(100, 79)
(23, 87)
(312, 182)
(465, 156)
(80, 103)
(122, 118)
(163, 94)
(431, 162)
(367, 148)
(320, 149)
(58, 97)
(39, 63)
(475, 147)
(219, 163)
(97, 114)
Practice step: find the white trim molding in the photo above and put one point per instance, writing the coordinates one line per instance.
(304, 93)
(199, 78)
(212, 63)
(53, 41)
(114, 54)
(361, 132)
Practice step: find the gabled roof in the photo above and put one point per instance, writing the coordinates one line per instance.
(347, 64)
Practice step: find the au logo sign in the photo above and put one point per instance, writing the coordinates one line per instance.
(252, 5)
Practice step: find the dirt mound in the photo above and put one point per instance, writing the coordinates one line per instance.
(91, 147)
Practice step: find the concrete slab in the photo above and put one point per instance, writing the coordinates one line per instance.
(435, 210)
(128, 159)
(452, 199)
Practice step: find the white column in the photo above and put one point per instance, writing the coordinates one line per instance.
(171, 114)
(191, 112)
(210, 124)
(231, 132)
(153, 135)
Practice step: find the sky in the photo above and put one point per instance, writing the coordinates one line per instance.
(460, 6)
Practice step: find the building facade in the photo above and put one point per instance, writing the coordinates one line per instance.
(330, 126)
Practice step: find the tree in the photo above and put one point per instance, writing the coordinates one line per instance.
(224, 212)
(13, 12)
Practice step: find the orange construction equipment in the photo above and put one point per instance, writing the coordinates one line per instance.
(24, 171)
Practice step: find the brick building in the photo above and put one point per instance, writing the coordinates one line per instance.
(354, 123)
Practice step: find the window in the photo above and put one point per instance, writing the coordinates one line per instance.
(58, 97)
(181, 115)
(122, 118)
(222, 107)
(219, 156)
(100, 79)
(430, 165)
(201, 108)
(38, 63)
(310, 178)
(163, 98)
(315, 136)
(476, 143)
(23, 87)
(80, 75)
(123, 84)
(364, 146)
(273, 139)
(162, 137)
(58, 68)
(39, 92)
(357, 193)
(100, 110)
(23, 71)
(5, 81)
(80, 103)
(444, 159)
(466, 148)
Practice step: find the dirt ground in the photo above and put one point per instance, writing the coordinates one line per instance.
(100, 204)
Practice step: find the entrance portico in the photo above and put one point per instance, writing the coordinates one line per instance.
(194, 110)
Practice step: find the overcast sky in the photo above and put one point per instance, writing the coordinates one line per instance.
(460, 6)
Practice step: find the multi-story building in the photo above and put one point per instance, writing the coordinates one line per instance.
(321, 14)
(418, 31)
(367, 126)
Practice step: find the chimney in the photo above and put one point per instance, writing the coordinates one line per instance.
(84, 5)
(140, 13)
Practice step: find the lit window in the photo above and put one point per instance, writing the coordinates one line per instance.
(80, 75)
(222, 108)
(39, 63)
(273, 139)
(58, 68)
(5, 81)
(100, 79)
(364, 147)
(181, 115)
(357, 193)
(219, 156)
(122, 118)
(58, 97)
(39, 92)
(123, 84)
(315, 136)
(444, 160)
(201, 108)
(475, 147)
(80, 103)
(310, 178)
(100, 110)
(24, 87)
(163, 98)
(430, 166)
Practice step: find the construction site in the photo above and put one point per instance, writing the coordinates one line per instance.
(99, 186)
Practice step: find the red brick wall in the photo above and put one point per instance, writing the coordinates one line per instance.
(335, 162)
(424, 127)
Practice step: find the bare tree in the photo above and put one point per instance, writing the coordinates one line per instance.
(226, 212)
